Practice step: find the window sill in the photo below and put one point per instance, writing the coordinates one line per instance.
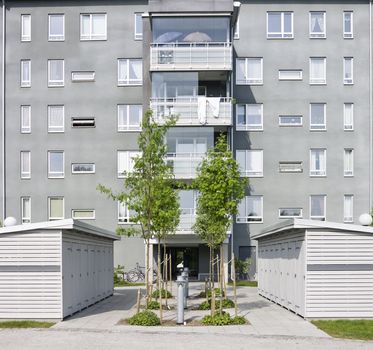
(318, 176)
(318, 84)
(56, 177)
(250, 222)
(313, 130)
(132, 130)
(249, 129)
(124, 85)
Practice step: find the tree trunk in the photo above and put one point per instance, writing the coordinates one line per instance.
(234, 285)
(221, 279)
(159, 280)
(147, 272)
(210, 270)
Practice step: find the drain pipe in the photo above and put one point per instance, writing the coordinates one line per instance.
(3, 114)
(370, 108)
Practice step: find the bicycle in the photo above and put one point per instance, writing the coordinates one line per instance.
(137, 274)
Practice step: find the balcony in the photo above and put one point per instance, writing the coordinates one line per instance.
(187, 220)
(194, 111)
(184, 165)
(195, 56)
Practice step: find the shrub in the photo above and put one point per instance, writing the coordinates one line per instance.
(222, 320)
(217, 293)
(164, 292)
(238, 320)
(206, 305)
(144, 318)
(153, 305)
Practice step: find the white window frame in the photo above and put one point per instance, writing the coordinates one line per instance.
(322, 218)
(346, 171)
(25, 83)
(85, 171)
(124, 220)
(129, 158)
(56, 175)
(25, 173)
(138, 35)
(290, 116)
(290, 216)
(61, 128)
(128, 127)
(345, 80)
(282, 34)
(24, 37)
(290, 169)
(76, 79)
(56, 83)
(93, 217)
(90, 36)
(348, 127)
(25, 219)
(317, 127)
(317, 35)
(318, 81)
(348, 218)
(299, 71)
(247, 219)
(129, 82)
(236, 32)
(25, 129)
(318, 172)
(247, 81)
(249, 127)
(348, 35)
(53, 37)
(246, 172)
(50, 218)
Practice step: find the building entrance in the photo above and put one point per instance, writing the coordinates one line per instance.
(184, 257)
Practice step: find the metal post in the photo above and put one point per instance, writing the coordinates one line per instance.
(186, 270)
(184, 275)
(180, 299)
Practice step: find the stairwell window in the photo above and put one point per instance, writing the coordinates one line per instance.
(250, 210)
(317, 116)
(348, 208)
(56, 73)
(56, 208)
(93, 26)
(129, 71)
(25, 73)
(317, 25)
(25, 119)
(124, 214)
(25, 27)
(25, 210)
(129, 117)
(83, 214)
(348, 116)
(280, 25)
(138, 26)
(317, 70)
(318, 207)
(25, 165)
(348, 25)
(348, 162)
(249, 71)
(286, 213)
(250, 162)
(56, 27)
(56, 164)
(318, 162)
(249, 117)
(348, 70)
(126, 161)
(56, 119)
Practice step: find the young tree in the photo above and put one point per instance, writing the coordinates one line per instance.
(220, 189)
(148, 190)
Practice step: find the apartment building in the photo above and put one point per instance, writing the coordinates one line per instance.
(288, 83)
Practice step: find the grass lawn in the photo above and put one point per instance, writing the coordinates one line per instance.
(245, 284)
(349, 329)
(128, 284)
(25, 324)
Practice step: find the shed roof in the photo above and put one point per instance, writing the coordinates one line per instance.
(310, 224)
(65, 224)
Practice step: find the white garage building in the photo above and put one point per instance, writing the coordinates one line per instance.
(317, 269)
(51, 270)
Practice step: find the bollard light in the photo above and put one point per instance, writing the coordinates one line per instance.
(186, 287)
(180, 299)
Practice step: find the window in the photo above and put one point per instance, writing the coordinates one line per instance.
(124, 214)
(348, 70)
(236, 34)
(280, 25)
(317, 116)
(290, 74)
(56, 73)
(25, 27)
(129, 71)
(348, 162)
(82, 76)
(56, 27)
(318, 162)
(318, 207)
(290, 167)
(56, 208)
(348, 24)
(93, 26)
(129, 117)
(25, 210)
(83, 122)
(250, 209)
(126, 161)
(83, 214)
(250, 162)
(25, 119)
(348, 116)
(25, 73)
(138, 26)
(249, 71)
(249, 117)
(56, 164)
(317, 70)
(317, 25)
(56, 118)
(290, 213)
(348, 208)
(290, 120)
(83, 168)
(25, 165)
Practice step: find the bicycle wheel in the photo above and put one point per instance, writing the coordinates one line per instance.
(132, 276)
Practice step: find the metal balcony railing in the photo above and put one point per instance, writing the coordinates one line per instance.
(184, 165)
(187, 220)
(191, 56)
(194, 110)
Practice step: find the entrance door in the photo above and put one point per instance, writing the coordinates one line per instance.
(184, 257)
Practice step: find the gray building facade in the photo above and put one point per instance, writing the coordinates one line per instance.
(289, 83)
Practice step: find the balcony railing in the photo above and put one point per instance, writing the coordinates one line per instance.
(194, 110)
(184, 165)
(191, 56)
(187, 220)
